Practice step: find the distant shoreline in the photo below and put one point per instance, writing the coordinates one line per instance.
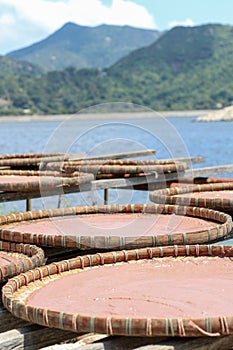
(93, 116)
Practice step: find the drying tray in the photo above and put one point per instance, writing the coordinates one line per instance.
(111, 227)
(119, 167)
(18, 257)
(218, 196)
(32, 182)
(164, 291)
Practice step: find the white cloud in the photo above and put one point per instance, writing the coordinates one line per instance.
(186, 23)
(23, 22)
(7, 19)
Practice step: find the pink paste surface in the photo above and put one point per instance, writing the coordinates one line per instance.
(114, 224)
(167, 287)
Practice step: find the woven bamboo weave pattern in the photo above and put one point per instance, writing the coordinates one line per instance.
(190, 195)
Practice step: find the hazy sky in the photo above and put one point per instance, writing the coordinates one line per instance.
(24, 22)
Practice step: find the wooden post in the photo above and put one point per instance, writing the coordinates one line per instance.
(59, 201)
(106, 196)
(28, 204)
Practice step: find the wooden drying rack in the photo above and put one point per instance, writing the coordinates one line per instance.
(136, 182)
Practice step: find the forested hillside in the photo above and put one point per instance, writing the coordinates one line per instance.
(186, 68)
(189, 67)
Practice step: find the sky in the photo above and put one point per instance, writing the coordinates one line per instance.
(24, 22)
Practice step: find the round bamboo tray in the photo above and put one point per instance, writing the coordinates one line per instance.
(183, 291)
(218, 196)
(123, 162)
(110, 227)
(118, 168)
(18, 257)
(29, 183)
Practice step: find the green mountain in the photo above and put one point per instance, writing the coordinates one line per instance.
(81, 46)
(13, 76)
(186, 68)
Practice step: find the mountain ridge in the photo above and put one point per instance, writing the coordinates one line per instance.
(85, 47)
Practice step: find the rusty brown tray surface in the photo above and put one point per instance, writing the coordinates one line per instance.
(218, 196)
(110, 227)
(18, 257)
(27, 182)
(181, 291)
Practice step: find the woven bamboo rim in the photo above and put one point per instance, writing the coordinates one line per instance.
(109, 242)
(118, 169)
(44, 182)
(18, 288)
(169, 196)
(31, 256)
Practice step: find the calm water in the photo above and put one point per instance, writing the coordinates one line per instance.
(171, 137)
